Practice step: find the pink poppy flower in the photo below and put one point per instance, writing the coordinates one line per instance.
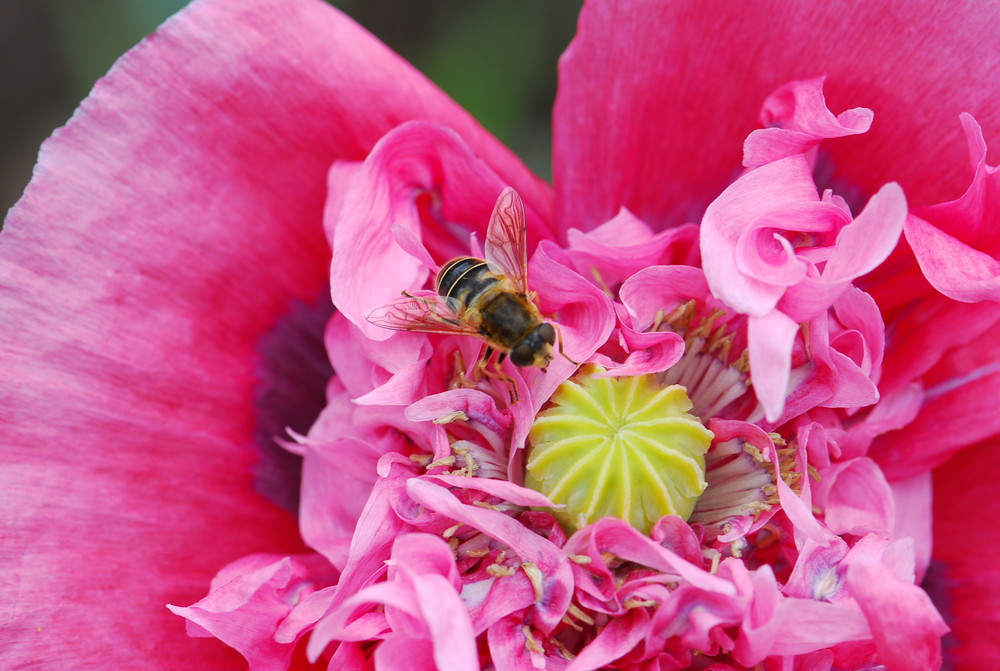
(762, 226)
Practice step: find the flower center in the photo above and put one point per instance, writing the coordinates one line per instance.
(621, 447)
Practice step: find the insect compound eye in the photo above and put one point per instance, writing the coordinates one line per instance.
(546, 333)
(522, 355)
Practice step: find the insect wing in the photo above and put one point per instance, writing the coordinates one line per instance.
(506, 249)
(425, 314)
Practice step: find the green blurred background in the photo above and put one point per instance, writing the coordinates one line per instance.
(495, 57)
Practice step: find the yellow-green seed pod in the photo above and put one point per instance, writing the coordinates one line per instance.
(621, 447)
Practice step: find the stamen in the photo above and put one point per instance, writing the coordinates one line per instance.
(741, 483)
(713, 382)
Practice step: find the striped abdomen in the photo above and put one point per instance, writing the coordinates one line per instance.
(465, 280)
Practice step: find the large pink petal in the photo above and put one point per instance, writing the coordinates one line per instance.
(964, 577)
(168, 227)
(656, 99)
(959, 409)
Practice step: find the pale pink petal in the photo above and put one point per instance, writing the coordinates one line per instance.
(813, 625)
(509, 649)
(662, 288)
(906, 627)
(648, 352)
(440, 605)
(696, 617)
(502, 489)
(377, 527)
(405, 653)
(855, 498)
(914, 518)
(424, 180)
(336, 482)
(624, 245)
(795, 119)
(868, 240)
(244, 611)
(674, 534)
(338, 183)
(550, 560)
(782, 186)
(818, 573)
(863, 337)
(776, 625)
(490, 601)
(421, 604)
(402, 388)
(839, 381)
(616, 536)
(770, 340)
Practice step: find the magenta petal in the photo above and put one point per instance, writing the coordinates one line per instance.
(953, 267)
(613, 642)
(966, 584)
(655, 99)
(959, 409)
(906, 627)
(956, 243)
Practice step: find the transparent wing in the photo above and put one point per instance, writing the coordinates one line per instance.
(506, 250)
(427, 314)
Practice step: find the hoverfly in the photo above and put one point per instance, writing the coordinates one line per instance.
(488, 298)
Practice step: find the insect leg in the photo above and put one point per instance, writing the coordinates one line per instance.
(496, 372)
(559, 341)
